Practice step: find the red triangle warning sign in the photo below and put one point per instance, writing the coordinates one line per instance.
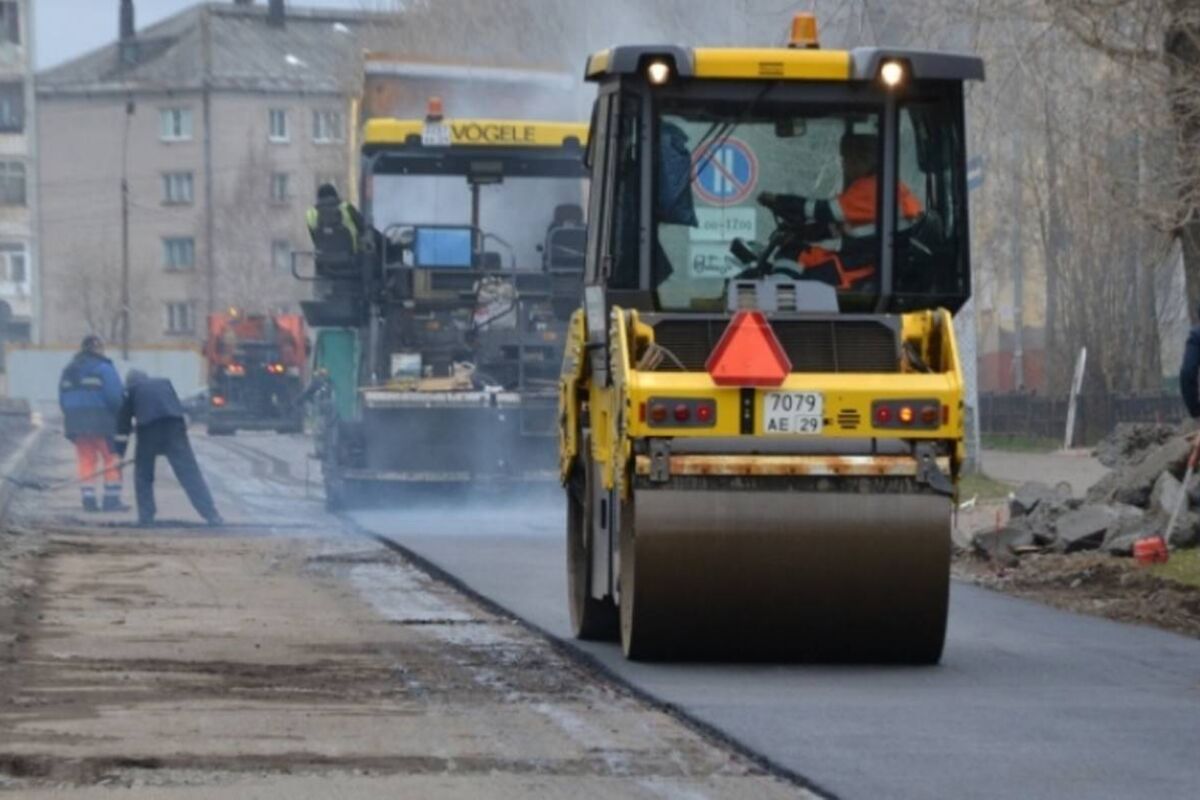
(748, 354)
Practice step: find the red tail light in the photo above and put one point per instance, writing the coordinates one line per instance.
(704, 413)
(682, 413)
(218, 400)
(883, 415)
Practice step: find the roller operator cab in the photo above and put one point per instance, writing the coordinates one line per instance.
(442, 339)
(761, 399)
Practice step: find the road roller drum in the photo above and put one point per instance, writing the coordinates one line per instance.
(763, 571)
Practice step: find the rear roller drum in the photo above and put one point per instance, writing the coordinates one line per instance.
(591, 619)
(735, 574)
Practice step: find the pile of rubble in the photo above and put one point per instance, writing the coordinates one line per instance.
(1132, 502)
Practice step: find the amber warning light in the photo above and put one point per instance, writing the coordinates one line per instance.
(749, 354)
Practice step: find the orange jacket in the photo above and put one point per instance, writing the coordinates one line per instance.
(854, 211)
(855, 206)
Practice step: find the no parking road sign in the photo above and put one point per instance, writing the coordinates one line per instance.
(726, 173)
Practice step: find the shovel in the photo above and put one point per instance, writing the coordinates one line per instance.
(1153, 549)
(45, 486)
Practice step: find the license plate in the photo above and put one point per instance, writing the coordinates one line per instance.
(793, 412)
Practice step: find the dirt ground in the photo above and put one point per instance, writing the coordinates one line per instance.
(1089, 583)
(1092, 583)
(292, 659)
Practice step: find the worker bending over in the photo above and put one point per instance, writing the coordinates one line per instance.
(161, 431)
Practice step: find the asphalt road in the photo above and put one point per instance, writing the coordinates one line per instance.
(1029, 702)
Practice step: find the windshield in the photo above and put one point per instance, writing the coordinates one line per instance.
(514, 213)
(759, 188)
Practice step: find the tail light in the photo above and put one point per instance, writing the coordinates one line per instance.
(235, 369)
(276, 369)
(218, 400)
(681, 412)
(915, 414)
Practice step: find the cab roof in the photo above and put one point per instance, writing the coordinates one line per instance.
(778, 63)
(479, 132)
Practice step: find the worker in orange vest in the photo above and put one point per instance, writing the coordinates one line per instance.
(849, 216)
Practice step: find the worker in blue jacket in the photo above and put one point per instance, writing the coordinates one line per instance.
(89, 394)
(161, 431)
(1189, 373)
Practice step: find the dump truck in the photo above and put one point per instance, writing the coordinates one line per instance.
(761, 399)
(441, 341)
(257, 366)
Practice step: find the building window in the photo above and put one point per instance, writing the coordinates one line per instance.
(179, 253)
(180, 317)
(12, 183)
(280, 188)
(175, 124)
(12, 107)
(14, 265)
(177, 188)
(327, 126)
(278, 123)
(281, 255)
(10, 22)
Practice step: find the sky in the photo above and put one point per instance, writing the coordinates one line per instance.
(69, 28)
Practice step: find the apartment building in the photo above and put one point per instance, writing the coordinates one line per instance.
(209, 133)
(18, 243)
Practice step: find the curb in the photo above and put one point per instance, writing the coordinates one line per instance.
(15, 464)
(594, 666)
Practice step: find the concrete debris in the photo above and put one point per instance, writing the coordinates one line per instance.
(1001, 544)
(1129, 442)
(1132, 483)
(1165, 494)
(1120, 538)
(1029, 496)
(1084, 528)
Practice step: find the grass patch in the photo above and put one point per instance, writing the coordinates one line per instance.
(983, 487)
(1183, 567)
(1020, 444)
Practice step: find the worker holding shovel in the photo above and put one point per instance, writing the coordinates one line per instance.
(89, 394)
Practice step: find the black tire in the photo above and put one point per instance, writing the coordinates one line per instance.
(591, 619)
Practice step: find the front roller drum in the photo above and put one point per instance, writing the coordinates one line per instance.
(796, 575)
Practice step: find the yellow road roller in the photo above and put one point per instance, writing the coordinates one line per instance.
(761, 397)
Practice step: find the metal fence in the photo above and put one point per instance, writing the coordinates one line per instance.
(1095, 415)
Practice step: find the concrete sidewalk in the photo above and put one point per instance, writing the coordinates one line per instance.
(284, 657)
(1076, 467)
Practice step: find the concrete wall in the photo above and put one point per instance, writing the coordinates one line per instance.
(33, 373)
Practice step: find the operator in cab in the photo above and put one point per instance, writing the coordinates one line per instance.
(850, 216)
(335, 225)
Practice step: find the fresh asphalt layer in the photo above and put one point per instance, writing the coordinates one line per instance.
(1028, 702)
